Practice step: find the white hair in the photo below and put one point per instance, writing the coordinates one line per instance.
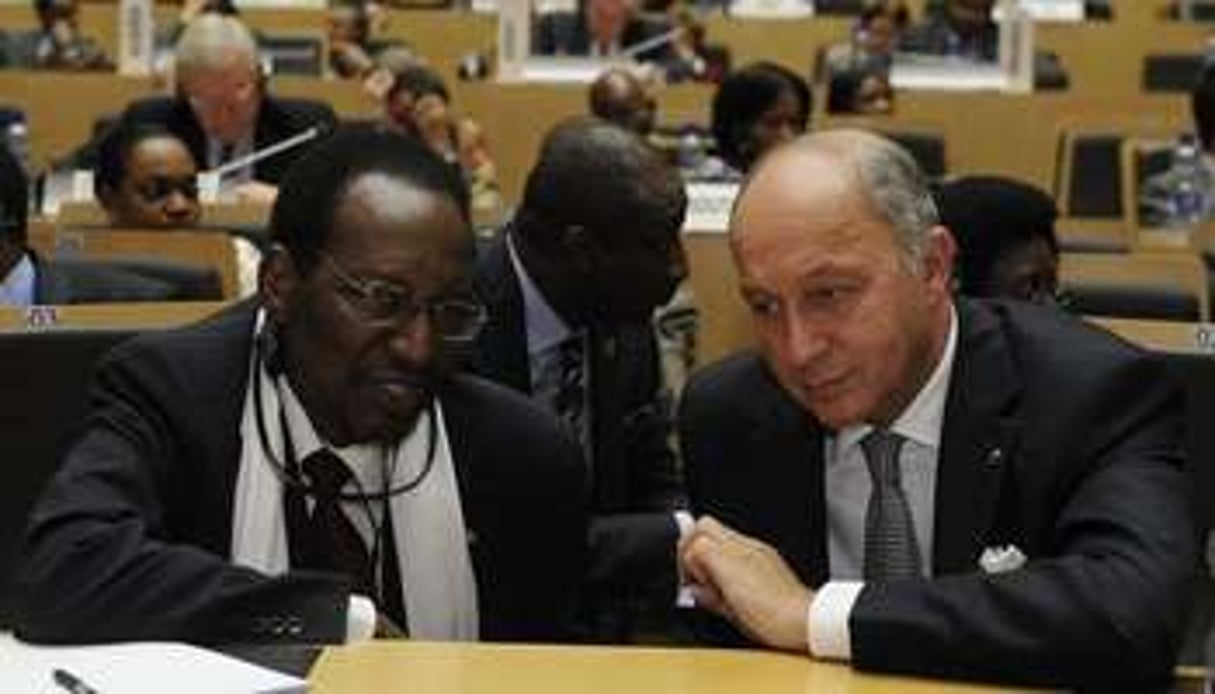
(213, 42)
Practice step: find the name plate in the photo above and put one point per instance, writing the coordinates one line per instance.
(1050, 10)
(709, 206)
(771, 9)
(948, 74)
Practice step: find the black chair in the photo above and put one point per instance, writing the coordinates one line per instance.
(294, 54)
(1090, 183)
(45, 382)
(1171, 72)
(927, 148)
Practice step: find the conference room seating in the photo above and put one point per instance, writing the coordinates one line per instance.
(1165, 285)
(201, 263)
(1171, 72)
(926, 146)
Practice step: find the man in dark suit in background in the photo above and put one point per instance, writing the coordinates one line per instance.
(304, 468)
(223, 111)
(26, 279)
(571, 285)
(600, 29)
(920, 484)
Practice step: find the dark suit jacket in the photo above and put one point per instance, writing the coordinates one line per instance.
(131, 539)
(635, 481)
(1057, 438)
(83, 282)
(277, 120)
(565, 33)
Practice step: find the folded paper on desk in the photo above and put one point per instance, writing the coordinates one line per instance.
(131, 668)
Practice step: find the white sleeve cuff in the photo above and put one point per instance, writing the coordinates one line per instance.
(830, 638)
(683, 592)
(360, 619)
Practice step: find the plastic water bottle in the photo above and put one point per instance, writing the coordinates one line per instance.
(135, 29)
(1191, 195)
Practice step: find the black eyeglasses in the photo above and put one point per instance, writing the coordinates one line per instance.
(385, 304)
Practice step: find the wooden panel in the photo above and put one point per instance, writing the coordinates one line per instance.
(107, 316)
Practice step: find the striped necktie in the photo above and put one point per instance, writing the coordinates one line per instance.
(891, 550)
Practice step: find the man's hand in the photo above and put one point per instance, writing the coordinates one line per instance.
(747, 582)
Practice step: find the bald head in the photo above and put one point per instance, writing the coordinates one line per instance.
(843, 164)
(620, 97)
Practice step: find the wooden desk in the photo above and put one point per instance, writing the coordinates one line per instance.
(447, 668)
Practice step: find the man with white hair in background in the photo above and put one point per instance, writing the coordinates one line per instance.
(223, 111)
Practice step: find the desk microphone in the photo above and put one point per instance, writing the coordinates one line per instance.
(653, 42)
(266, 152)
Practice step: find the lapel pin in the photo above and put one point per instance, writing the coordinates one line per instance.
(1001, 559)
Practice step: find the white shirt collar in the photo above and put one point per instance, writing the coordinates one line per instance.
(545, 328)
(923, 419)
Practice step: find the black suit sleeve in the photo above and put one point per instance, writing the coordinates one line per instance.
(110, 552)
(1104, 606)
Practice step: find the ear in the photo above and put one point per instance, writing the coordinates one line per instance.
(938, 260)
(278, 280)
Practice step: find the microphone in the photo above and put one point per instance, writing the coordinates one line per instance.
(651, 43)
(266, 152)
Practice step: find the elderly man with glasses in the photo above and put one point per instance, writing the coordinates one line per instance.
(306, 467)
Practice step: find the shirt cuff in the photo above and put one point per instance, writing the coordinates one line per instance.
(360, 619)
(830, 609)
(683, 592)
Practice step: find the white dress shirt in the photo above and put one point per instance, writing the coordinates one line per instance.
(848, 484)
(440, 590)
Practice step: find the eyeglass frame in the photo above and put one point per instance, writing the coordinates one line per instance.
(356, 291)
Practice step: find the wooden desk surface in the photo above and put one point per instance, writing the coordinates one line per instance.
(447, 668)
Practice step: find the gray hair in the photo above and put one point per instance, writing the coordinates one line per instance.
(897, 190)
(211, 42)
(885, 176)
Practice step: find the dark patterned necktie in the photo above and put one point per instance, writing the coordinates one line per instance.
(333, 543)
(891, 550)
(570, 400)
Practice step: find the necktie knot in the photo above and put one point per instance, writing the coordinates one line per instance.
(881, 448)
(327, 473)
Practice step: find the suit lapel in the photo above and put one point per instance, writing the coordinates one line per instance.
(978, 444)
(789, 468)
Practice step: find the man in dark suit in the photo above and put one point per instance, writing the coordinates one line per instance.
(600, 29)
(920, 484)
(223, 110)
(570, 287)
(304, 468)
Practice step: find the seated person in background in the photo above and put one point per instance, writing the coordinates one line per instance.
(599, 29)
(856, 91)
(305, 466)
(27, 280)
(418, 105)
(959, 28)
(57, 44)
(222, 109)
(1005, 231)
(857, 72)
(691, 58)
(870, 48)
(570, 286)
(146, 179)
(756, 108)
(921, 483)
(472, 151)
(621, 96)
(348, 28)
